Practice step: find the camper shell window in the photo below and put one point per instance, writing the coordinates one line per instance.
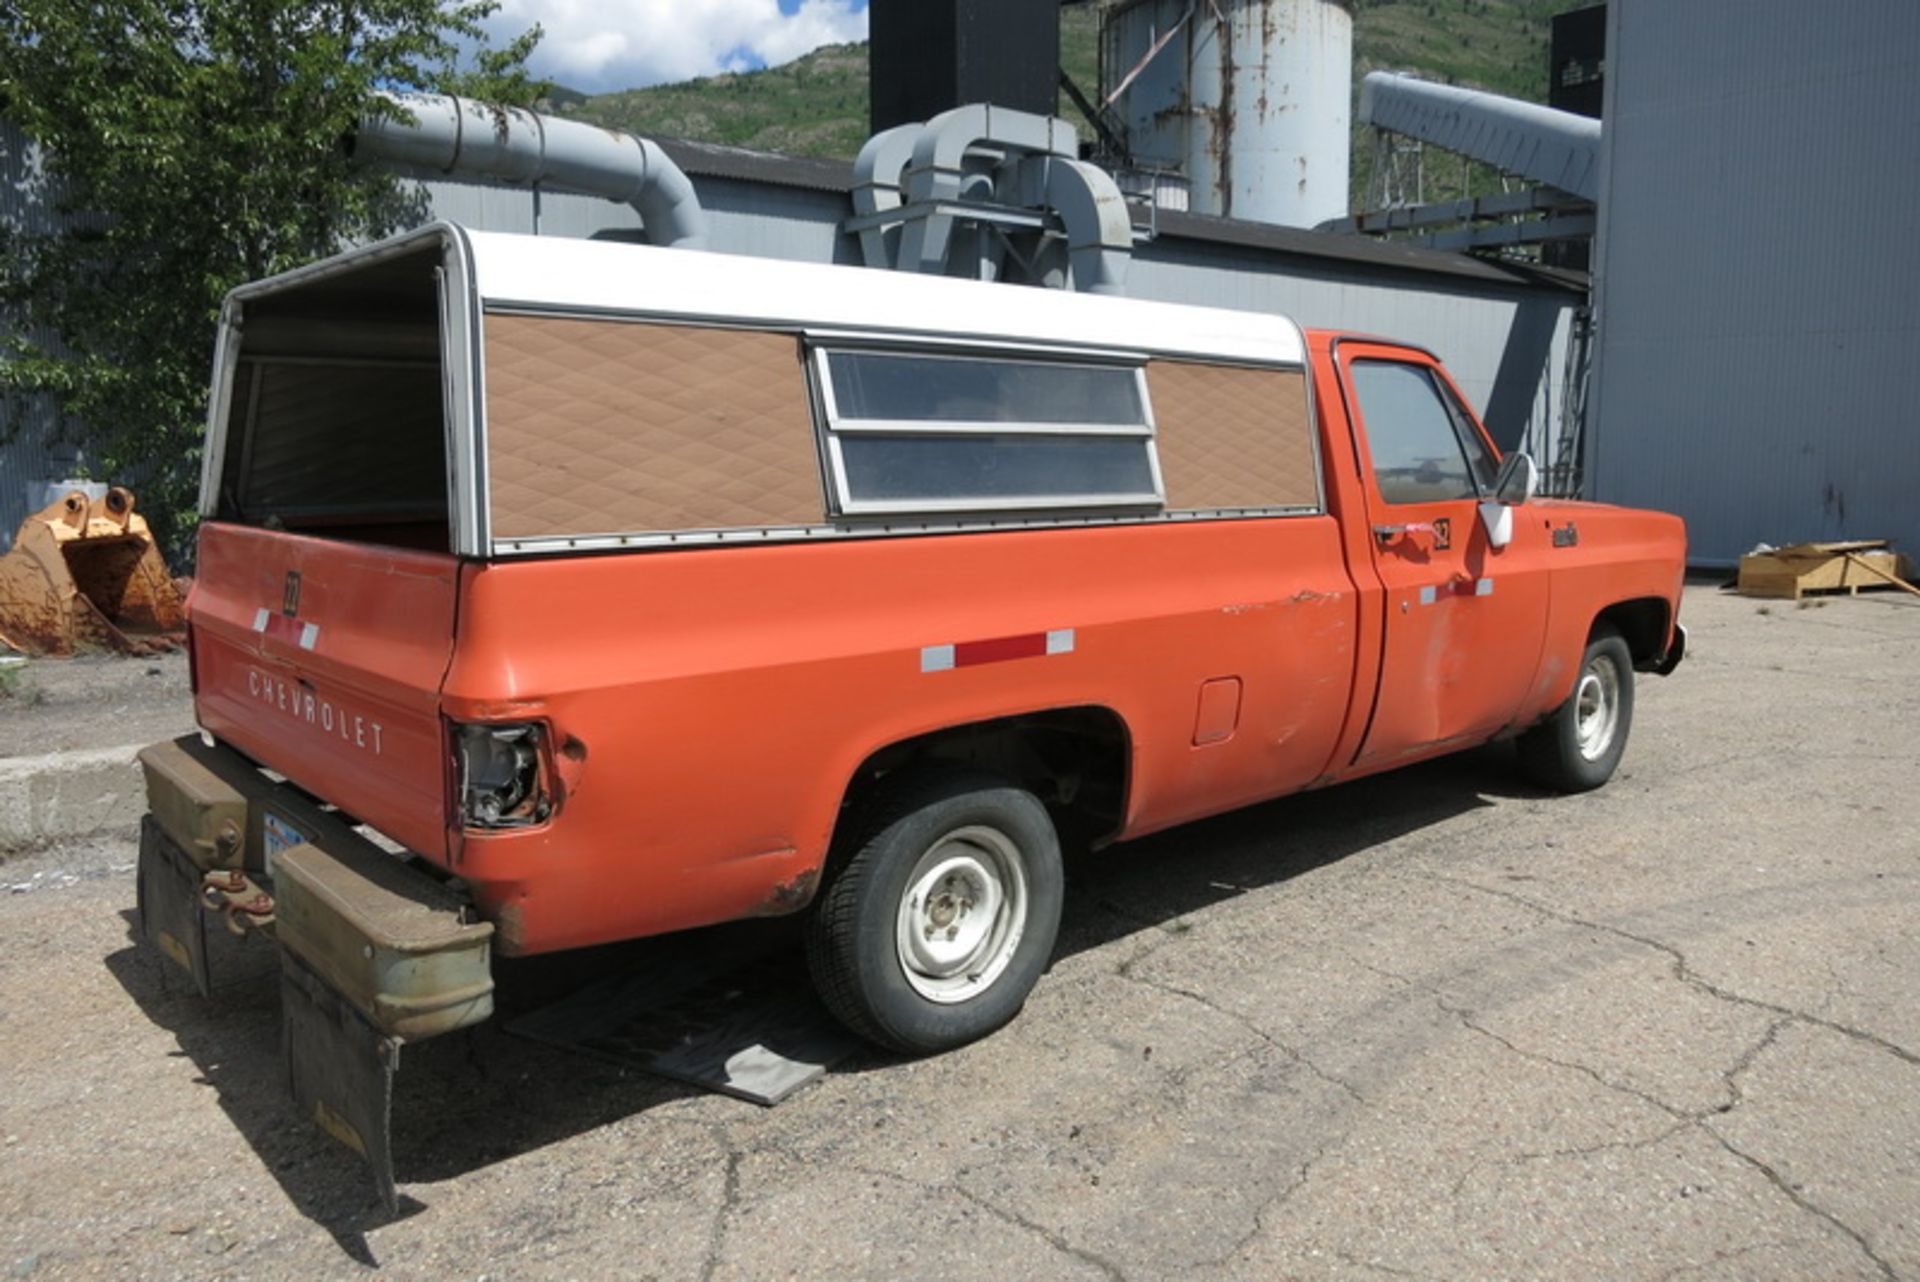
(915, 432)
(336, 416)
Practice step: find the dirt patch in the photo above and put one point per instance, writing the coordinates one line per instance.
(98, 701)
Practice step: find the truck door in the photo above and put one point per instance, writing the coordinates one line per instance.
(1464, 620)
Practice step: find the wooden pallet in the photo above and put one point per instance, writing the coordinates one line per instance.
(1825, 568)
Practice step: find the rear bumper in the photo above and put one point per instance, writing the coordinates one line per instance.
(399, 945)
(374, 953)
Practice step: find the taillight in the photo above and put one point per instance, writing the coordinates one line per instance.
(501, 774)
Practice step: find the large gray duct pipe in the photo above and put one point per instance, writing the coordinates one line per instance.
(439, 133)
(1554, 147)
(925, 170)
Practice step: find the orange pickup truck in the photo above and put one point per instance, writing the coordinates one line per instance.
(555, 592)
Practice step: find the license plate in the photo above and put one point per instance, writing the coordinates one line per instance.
(279, 837)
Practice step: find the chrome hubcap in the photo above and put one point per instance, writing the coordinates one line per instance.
(963, 914)
(1596, 708)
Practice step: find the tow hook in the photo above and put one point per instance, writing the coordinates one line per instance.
(240, 902)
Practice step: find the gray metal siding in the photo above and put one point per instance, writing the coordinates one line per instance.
(1757, 270)
(29, 459)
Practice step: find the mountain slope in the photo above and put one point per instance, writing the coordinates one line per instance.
(817, 105)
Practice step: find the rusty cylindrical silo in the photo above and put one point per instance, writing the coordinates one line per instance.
(1249, 100)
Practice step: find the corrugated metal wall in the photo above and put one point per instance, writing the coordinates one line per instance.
(28, 457)
(1758, 267)
(1505, 344)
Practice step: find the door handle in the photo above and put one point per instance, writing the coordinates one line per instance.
(1388, 535)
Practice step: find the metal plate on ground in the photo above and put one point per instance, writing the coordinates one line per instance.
(753, 1031)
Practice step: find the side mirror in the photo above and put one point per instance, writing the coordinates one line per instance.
(1518, 480)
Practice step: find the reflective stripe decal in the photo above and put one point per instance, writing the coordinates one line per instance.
(968, 654)
(286, 628)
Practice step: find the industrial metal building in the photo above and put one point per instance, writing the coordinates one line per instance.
(1757, 269)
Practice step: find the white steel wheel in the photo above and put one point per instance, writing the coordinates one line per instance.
(1577, 748)
(963, 915)
(1596, 703)
(939, 913)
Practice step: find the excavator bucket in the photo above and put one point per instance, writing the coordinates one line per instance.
(86, 575)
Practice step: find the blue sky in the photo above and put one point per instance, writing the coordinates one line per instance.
(601, 45)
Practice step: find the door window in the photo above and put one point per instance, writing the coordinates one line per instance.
(1414, 438)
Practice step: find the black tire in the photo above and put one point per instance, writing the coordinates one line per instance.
(1577, 748)
(876, 975)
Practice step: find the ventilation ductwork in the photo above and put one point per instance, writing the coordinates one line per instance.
(443, 135)
(1012, 174)
(1549, 146)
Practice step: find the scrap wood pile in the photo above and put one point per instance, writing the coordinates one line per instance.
(1803, 568)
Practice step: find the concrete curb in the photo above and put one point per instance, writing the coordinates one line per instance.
(62, 795)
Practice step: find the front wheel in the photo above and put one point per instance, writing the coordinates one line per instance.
(1577, 748)
(937, 926)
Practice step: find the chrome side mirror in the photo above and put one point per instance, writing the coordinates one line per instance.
(1518, 480)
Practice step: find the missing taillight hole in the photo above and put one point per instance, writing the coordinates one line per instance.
(502, 780)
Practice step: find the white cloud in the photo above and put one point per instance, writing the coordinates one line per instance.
(601, 45)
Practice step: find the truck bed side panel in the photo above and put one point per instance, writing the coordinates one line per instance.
(712, 706)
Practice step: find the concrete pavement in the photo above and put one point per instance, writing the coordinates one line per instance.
(1432, 1025)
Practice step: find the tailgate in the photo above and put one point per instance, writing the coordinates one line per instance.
(323, 660)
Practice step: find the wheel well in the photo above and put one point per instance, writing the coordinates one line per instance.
(1642, 624)
(1073, 759)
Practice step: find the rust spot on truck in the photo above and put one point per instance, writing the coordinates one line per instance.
(790, 896)
(510, 927)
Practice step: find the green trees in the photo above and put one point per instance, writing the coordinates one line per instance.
(198, 143)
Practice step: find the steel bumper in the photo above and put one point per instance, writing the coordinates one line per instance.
(374, 952)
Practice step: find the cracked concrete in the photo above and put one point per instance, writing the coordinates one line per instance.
(1432, 1025)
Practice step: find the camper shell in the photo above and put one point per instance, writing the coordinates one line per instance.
(484, 394)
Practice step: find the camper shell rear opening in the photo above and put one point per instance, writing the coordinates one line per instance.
(340, 395)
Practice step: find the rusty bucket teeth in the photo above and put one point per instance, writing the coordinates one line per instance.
(86, 575)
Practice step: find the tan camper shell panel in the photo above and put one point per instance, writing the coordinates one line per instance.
(1234, 439)
(597, 427)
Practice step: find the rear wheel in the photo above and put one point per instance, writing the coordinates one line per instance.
(937, 925)
(1577, 748)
